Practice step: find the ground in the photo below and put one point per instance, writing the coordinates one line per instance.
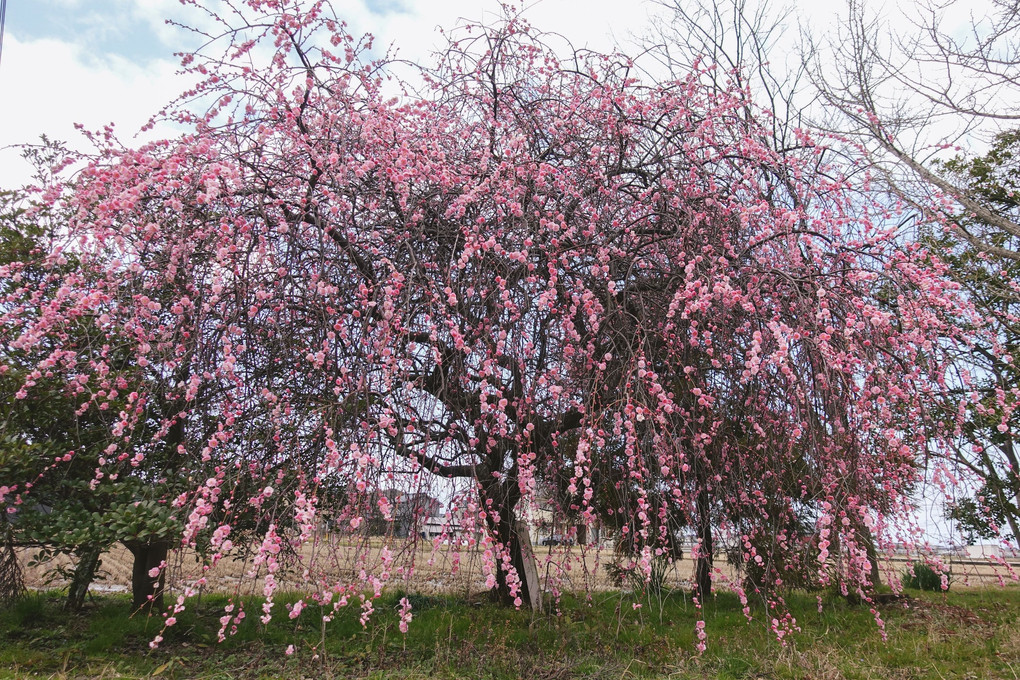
(969, 632)
(973, 631)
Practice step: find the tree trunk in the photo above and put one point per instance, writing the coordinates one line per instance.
(146, 591)
(513, 534)
(84, 573)
(703, 566)
(12, 579)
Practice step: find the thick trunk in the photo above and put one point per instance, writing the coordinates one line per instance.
(146, 591)
(84, 573)
(703, 566)
(513, 535)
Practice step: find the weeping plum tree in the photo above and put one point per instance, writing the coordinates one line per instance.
(523, 268)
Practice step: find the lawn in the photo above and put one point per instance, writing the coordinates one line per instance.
(966, 633)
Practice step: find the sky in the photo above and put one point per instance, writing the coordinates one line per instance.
(95, 62)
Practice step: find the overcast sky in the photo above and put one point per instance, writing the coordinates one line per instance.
(100, 61)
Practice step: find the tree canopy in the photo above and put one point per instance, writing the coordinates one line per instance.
(531, 267)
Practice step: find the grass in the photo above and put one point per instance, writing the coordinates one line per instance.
(969, 633)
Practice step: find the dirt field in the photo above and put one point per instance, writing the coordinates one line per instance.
(422, 567)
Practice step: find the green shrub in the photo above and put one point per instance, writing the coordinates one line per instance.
(921, 576)
(632, 576)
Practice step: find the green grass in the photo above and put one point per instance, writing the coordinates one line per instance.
(962, 634)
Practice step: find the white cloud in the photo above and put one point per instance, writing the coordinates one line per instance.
(48, 88)
(155, 14)
(415, 32)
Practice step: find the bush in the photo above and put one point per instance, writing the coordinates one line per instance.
(921, 576)
(632, 576)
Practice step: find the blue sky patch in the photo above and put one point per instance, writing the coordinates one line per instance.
(98, 27)
(384, 7)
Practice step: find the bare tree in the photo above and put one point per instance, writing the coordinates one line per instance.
(907, 96)
(743, 41)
